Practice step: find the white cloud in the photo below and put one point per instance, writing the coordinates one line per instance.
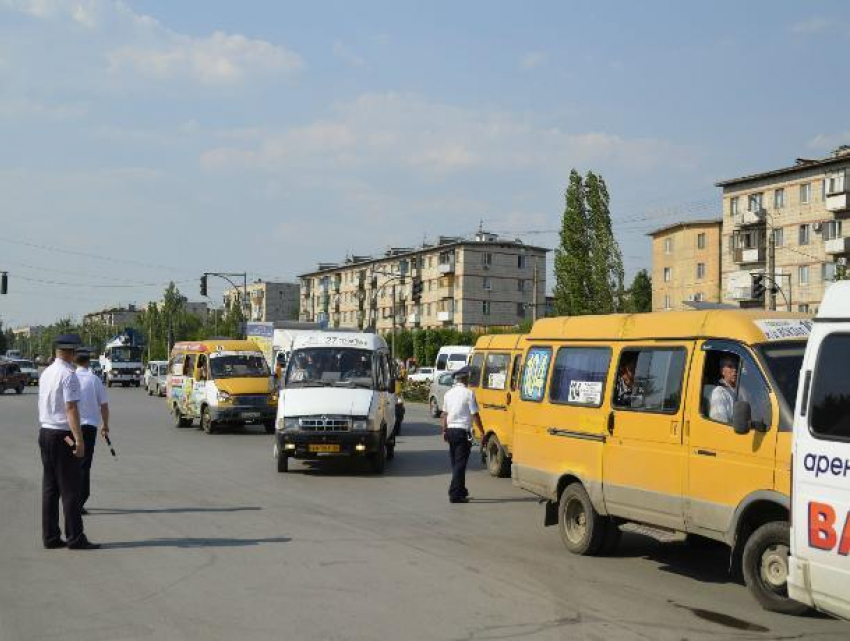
(812, 25)
(347, 56)
(827, 142)
(532, 60)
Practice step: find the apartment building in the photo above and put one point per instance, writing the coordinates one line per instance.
(466, 284)
(199, 309)
(685, 264)
(114, 317)
(805, 208)
(267, 301)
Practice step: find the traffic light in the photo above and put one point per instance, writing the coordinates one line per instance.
(758, 285)
(416, 292)
(204, 285)
(4, 283)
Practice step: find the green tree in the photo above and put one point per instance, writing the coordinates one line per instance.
(572, 268)
(640, 293)
(3, 342)
(604, 257)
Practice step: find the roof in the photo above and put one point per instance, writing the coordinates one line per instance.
(499, 341)
(687, 223)
(836, 301)
(421, 250)
(838, 157)
(216, 345)
(734, 324)
(352, 340)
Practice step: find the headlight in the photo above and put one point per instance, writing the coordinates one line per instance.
(138, 371)
(223, 397)
(272, 399)
(289, 423)
(361, 424)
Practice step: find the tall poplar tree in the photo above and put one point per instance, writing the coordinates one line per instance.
(604, 257)
(640, 295)
(572, 269)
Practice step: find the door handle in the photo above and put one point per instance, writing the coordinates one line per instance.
(706, 453)
(611, 423)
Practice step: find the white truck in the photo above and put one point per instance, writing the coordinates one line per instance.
(819, 564)
(275, 339)
(122, 360)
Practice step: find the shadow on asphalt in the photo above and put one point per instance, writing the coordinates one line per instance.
(528, 499)
(192, 543)
(167, 510)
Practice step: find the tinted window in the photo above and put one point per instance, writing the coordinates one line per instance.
(830, 396)
(496, 371)
(784, 363)
(446, 379)
(475, 370)
(578, 376)
(657, 381)
(441, 361)
(535, 372)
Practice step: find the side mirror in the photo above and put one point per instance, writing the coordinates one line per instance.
(741, 417)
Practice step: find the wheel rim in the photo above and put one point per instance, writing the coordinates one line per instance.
(774, 567)
(575, 521)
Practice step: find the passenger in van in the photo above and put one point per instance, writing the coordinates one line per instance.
(625, 381)
(724, 395)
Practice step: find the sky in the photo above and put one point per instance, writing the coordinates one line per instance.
(146, 141)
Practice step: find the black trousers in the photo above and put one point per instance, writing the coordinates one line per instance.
(90, 439)
(61, 479)
(459, 448)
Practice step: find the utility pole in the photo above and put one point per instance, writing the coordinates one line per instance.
(394, 314)
(534, 293)
(771, 268)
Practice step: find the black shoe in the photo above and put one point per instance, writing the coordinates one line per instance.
(85, 545)
(54, 545)
(462, 499)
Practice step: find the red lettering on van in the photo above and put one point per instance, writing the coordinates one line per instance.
(844, 546)
(821, 526)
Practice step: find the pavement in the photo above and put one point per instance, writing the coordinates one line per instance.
(203, 539)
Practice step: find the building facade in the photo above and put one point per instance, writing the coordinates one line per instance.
(464, 284)
(685, 264)
(267, 301)
(199, 309)
(113, 317)
(804, 208)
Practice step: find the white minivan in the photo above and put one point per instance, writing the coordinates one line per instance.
(819, 566)
(451, 357)
(337, 399)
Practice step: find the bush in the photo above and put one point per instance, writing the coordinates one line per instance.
(416, 391)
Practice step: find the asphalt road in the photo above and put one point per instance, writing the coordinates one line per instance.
(203, 539)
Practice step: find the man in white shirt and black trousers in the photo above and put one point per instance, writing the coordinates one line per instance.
(94, 412)
(60, 440)
(460, 411)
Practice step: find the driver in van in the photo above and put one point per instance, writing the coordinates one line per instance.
(300, 368)
(724, 395)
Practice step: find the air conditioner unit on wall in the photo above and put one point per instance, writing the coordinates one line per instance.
(841, 260)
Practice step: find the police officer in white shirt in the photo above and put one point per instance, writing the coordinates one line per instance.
(94, 412)
(460, 412)
(60, 440)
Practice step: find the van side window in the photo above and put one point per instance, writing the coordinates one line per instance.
(475, 369)
(202, 367)
(579, 374)
(176, 365)
(729, 377)
(829, 413)
(441, 361)
(515, 371)
(496, 371)
(189, 366)
(534, 373)
(649, 379)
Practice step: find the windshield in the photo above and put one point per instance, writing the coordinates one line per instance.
(27, 364)
(125, 354)
(238, 366)
(325, 366)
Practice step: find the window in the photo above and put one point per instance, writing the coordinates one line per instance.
(496, 371)
(667, 301)
(701, 241)
(778, 237)
(579, 374)
(668, 245)
(650, 379)
(487, 282)
(832, 230)
(803, 308)
(534, 373)
(728, 377)
(754, 202)
(830, 397)
(475, 369)
(515, 371)
(827, 272)
(485, 307)
(823, 190)
(733, 205)
(779, 199)
(697, 296)
(189, 365)
(835, 181)
(668, 274)
(520, 310)
(803, 274)
(487, 259)
(520, 285)
(176, 365)
(520, 261)
(442, 359)
(804, 234)
(700, 271)
(805, 193)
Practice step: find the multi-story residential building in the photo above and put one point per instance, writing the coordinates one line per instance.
(199, 309)
(267, 302)
(685, 264)
(465, 284)
(113, 317)
(805, 208)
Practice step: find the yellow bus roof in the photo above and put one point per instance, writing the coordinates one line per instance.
(222, 345)
(499, 341)
(716, 323)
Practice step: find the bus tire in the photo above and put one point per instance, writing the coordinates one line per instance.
(435, 409)
(765, 567)
(207, 422)
(498, 463)
(582, 528)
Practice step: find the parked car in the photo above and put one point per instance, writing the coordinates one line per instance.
(439, 387)
(422, 375)
(11, 377)
(28, 368)
(155, 377)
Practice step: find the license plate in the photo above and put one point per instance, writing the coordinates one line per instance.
(250, 415)
(324, 448)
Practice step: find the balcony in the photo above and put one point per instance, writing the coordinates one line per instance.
(840, 245)
(838, 201)
(447, 267)
(448, 292)
(748, 255)
(445, 317)
(744, 218)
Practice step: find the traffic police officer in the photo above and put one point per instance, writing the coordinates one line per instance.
(460, 411)
(94, 411)
(60, 440)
